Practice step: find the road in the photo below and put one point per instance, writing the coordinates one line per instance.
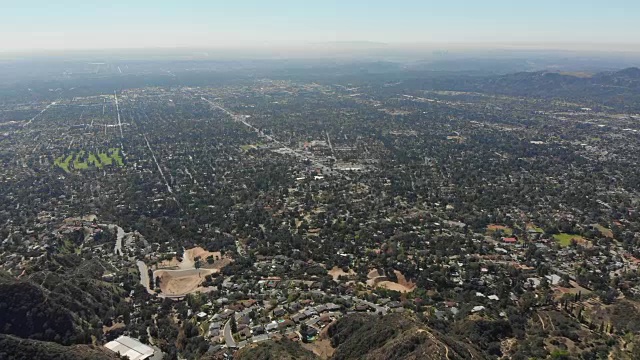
(118, 112)
(285, 149)
(119, 237)
(228, 337)
(144, 275)
(40, 113)
(153, 155)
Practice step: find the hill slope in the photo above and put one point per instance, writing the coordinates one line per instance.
(394, 336)
(281, 350)
(13, 348)
(61, 298)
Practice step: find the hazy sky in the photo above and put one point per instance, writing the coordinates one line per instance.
(88, 24)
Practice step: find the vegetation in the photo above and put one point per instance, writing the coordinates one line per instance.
(365, 173)
(566, 239)
(282, 349)
(393, 336)
(13, 348)
(82, 160)
(64, 301)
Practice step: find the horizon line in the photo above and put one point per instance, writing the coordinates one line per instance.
(359, 45)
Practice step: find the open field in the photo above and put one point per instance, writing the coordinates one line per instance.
(532, 226)
(491, 228)
(564, 239)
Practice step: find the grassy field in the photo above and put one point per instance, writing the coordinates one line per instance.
(535, 228)
(83, 160)
(115, 155)
(606, 232)
(80, 165)
(92, 159)
(248, 147)
(491, 228)
(564, 239)
(63, 162)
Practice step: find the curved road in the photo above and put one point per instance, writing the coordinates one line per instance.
(228, 336)
(144, 275)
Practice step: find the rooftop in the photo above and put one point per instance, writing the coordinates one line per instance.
(129, 347)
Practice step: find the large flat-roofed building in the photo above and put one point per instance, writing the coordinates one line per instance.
(129, 347)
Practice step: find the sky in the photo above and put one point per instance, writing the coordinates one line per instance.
(88, 24)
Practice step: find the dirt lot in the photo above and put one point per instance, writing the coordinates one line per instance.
(179, 278)
(403, 281)
(202, 253)
(335, 272)
(403, 286)
(180, 282)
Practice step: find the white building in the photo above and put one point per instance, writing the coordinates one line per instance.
(129, 347)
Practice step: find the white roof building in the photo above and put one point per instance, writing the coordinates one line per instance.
(129, 347)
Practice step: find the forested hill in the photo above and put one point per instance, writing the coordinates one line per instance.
(60, 300)
(13, 348)
(618, 89)
(395, 336)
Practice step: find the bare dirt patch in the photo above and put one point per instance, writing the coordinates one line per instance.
(373, 274)
(188, 260)
(181, 278)
(403, 286)
(336, 272)
(402, 280)
(181, 282)
(201, 253)
(395, 286)
(173, 263)
(322, 346)
(118, 325)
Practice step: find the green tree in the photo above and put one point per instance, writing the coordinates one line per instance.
(234, 324)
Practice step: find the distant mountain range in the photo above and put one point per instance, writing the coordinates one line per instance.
(620, 89)
(616, 89)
